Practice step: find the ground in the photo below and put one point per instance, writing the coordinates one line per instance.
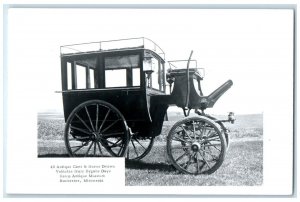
(243, 164)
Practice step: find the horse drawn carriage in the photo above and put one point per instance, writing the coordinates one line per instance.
(115, 102)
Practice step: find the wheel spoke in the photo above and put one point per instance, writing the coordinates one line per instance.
(205, 160)
(213, 156)
(108, 127)
(97, 117)
(179, 139)
(142, 148)
(180, 147)
(207, 135)
(186, 164)
(79, 147)
(203, 131)
(198, 166)
(88, 149)
(82, 121)
(210, 144)
(134, 148)
(81, 130)
(88, 114)
(94, 148)
(180, 157)
(104, 120)
(186, 132)
(216, 138)
(140, 143)
(212, 135)
(99, 147)
(120, 151)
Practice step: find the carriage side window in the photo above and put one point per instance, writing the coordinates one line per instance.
(69, 75)
(115, 78)
(136, 80)
(92, 78)
(122, 71)
(154, 73)
(81, 77)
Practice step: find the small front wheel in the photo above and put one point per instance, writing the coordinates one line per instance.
(195, 145)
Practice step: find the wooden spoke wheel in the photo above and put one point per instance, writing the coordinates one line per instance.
(138, 148)
(94, 129)
(195, 145)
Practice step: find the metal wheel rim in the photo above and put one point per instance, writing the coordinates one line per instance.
(139, 148)
(201, 152)
(86, 135)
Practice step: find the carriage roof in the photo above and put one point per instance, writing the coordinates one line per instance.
(112, 46)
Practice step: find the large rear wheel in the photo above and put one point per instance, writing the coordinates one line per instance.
(195, 145)
(96, 128)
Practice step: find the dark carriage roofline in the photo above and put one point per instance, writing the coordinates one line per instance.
(142, 45)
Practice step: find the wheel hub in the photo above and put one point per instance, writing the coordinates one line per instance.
(195, 146)
(96, 136)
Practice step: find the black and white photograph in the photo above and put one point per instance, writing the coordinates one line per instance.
(148, 98)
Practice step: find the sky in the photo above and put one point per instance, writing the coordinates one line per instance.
(253, 48)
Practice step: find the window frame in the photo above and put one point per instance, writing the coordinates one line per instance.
(129, 70)
(74, 77)
(161, 70)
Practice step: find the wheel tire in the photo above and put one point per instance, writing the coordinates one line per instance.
(139, 148)
(96, 128)
(196, 145)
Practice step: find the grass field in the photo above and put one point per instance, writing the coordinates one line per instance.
(243, 165)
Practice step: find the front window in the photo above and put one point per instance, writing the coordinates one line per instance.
(122, 71)
(154, 71)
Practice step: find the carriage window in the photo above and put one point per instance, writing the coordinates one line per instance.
(122, 71)
(92, 78)
(115, 78)
(155, 77)
(69, 74)
(136, 77)
(81, 77)
(117, 62)
(154, 70)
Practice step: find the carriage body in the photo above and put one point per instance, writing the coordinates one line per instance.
(119, 77)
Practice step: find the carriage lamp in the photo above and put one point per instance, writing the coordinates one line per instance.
(231, 117)
(148, 76)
